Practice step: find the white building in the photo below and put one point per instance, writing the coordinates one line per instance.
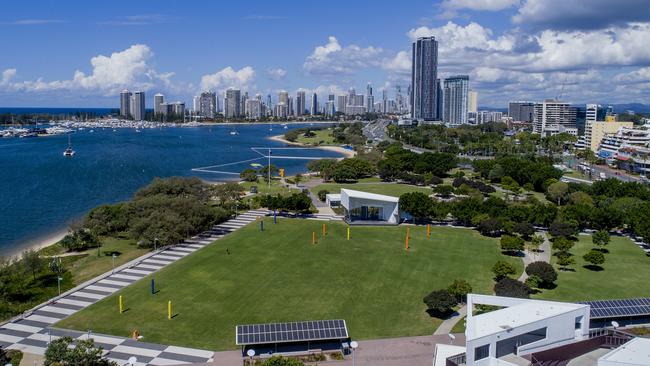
(472, 101)
(253, 108)
(549, 115)
(363, 206)
(633, 353)
(158, 101)
(520, 327)
(455, 100)
(138, 106)
(125, 103)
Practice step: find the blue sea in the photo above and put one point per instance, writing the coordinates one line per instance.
(42, 192)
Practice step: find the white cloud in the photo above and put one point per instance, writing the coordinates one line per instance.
(229, 77)
(334, 59)
(127, 68)
(452, 36)
(400, 64)
(450, 7)
(276, 73)
(34, 21)
(640, 75)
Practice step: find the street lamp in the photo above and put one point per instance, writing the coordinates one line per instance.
(155, 244)
(451, 337)
(113, 263)
(132, 360)
(58, 280)
(250, 353)
(354, 345)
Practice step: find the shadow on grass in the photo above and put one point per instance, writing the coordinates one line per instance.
(511, 253)
(175, 315)
(593, 267)
(110, 253)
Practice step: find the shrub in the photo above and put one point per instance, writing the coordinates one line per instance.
(503, 269)
(459, 289)
(322, 194)
(511, 243)
(511, 288)
(600, 238)
(249, 175)
(544, 271)
(595, 257)
(562, 244)
(440, 303)
(533, 282)
(564, 229)
(490, 227)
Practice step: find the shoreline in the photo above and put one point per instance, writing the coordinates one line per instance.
(36, 244)
(339, 149)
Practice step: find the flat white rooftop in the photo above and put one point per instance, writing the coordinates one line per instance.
(633, 353)
(369, 196)
(517, 315)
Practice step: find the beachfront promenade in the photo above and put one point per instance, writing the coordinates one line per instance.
(32, 331)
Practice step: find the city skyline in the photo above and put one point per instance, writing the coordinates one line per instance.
(511, 50)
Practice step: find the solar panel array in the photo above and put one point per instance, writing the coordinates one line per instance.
(618, 308)
(291, 332)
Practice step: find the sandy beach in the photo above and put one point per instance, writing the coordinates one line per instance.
(37, 244)
(339, 149)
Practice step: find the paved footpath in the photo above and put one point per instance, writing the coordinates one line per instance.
(32, 331)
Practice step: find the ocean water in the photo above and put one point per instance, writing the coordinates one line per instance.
(42, 192)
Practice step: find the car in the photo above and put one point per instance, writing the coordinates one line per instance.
(602, 175)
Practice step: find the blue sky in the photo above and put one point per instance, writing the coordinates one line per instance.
(82, 53)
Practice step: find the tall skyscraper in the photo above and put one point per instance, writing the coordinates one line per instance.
(196, 104)
(158, 101)
(553, 116)
(424, 72)
(521, 111)
(300, 102)
(125, 103)
(208, 104)
(440, 99)
(253, 108)
(341, 103)
(232, 103)
(314, 104)
(283, 97)
(384, 101)
(456, 100)
(370, 99)
(592, 113)
(472, 103)
(138, 106)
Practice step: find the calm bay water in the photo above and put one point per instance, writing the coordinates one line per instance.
(42, 192)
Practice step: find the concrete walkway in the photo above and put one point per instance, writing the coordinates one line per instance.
(448, 324)
(543, 254)
(32, 331)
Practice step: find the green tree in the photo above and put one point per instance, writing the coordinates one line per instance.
(511, 288)
(32, 262)
(496, 173)
(417, 204)
(544, 271)
(564, 259)
(503, 269)
(600, 238)
(322, 194)
(249, 175)
(440, 303)
(490, 227)
(511, 243)
(282, 361)
(535, 242)
(556, 192)
(297, 178)
(562, 244)
(64, 351)
(459, 289)
(595, 257)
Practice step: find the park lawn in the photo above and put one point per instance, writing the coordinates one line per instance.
(625, 275)
(322, 137)
(390, 189)
(278, 275)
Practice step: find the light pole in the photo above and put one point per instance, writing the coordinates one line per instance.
(354, 345)
(58, 281)
(113, 271)
(155, 244)
(250, 353)
(132, 360)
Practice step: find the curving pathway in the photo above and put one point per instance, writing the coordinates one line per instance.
(543, 254)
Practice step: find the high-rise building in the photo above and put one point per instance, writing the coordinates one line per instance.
(242, 104)
(208, 104)
(384, 101)
(196, 104)
(553, 116)
(283, 97)
(440, 99)
(521, 111)
(301, 102)
(592, 113)
(341, 103)
(472, 101)
(138, 106)
(370, 99)
(232, 103)
(158, 101)
(254, 108)
(424, 72)
(125, 103)
(455, 100)
(329, 108)
(314, 104)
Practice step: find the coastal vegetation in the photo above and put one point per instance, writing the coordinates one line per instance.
(279, 275)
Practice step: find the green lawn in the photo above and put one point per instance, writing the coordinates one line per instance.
(322, 137)
(263, 187)
(390, 189)
(625, 275)
(370, 281)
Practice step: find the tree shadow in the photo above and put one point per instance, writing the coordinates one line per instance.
(442, 315)
(513, 253)
(567, 269)
(602, 250)
(593, 267)
(112, 252)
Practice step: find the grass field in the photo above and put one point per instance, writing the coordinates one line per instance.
(322, 137)
(390, 189)
(278, 275)
(625, 275)
(263, 187)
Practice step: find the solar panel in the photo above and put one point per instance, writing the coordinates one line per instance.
(290, 332)
(618, 308)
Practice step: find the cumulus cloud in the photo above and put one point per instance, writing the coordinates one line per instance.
(229, 77)
(578, 14)
(641, 75)
(334, 59)
(276, 73)
(450, 8)
(127, 68)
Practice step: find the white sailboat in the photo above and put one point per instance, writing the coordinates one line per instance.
(69, 151)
